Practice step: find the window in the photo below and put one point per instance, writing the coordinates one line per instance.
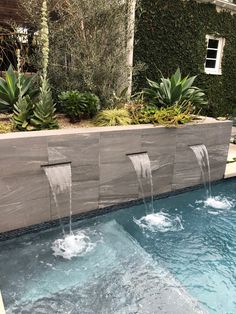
(214, 55)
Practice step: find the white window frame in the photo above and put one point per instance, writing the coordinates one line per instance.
(217, 69)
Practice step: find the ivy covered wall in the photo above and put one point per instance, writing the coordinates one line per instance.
(171, 34)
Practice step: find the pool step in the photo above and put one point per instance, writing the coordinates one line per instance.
(117, 276)
(2, 310)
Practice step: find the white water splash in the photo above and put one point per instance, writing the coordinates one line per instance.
(161, 222)
(72, 245)
(218, 202)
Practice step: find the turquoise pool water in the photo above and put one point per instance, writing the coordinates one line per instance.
(182, 260)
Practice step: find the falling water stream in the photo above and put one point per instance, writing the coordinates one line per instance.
(216, 202)
(160, 221)
(142, 165)
(74, 243)
(202, 156)
(59, 178)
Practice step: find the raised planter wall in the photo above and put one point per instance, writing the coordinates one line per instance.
(102, 174)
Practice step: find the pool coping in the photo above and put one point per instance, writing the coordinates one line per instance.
(105, 129)
(9, 235)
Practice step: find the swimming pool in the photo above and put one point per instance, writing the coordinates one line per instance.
(182, 260)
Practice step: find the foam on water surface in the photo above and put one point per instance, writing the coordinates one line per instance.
(161, 222)
(72, 245)
(218, 202)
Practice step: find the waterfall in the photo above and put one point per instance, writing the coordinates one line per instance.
(202, 156)
(142, 166)
(60, 181)
(59, 177)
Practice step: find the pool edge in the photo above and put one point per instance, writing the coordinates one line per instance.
(8, 235)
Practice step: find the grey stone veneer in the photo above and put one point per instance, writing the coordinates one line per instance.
(102, 174)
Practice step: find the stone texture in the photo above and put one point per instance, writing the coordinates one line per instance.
(80, 149)
(118, 183)
(160, 144)
(115, 145)
(22, 156)
(22, 188)
(22, 214)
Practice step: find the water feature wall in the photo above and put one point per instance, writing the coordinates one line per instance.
(102, 174)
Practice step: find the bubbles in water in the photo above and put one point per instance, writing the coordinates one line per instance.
(72, 245)
(161, 222)
(218, 202)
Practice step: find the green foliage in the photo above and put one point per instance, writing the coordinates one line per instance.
(180, 113)
(78, 105)
(141, 113)
(172, 33)
(9, 91)
(44, 110)
(174, 90)
(119, 99)
(22, 114)
(99, 62)
(113, 117)
(174, 115)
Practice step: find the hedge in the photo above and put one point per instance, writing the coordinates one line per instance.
(172, 33)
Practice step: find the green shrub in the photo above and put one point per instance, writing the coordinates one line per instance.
(77, 106)
(9, 91)
(112, 117)
(174, 90)
(174, 115)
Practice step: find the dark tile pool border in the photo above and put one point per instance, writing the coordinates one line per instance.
(96, 212)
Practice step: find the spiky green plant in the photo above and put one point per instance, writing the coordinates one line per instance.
(112, 117)
(9, 91)
(173, 90)
(22, 114)
(23, 108)
(44, 110)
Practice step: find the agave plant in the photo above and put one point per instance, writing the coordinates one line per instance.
(9, 91)
(44, 116)
(22, 114)
(174, 90)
